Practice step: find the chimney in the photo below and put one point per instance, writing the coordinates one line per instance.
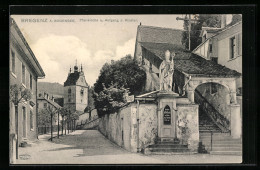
(223, 21)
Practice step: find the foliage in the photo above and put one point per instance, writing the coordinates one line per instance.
(110, 99)
(63, 112)
(235, 19)
(91, 105)
(44, 118)
(204, 20)
(116, 80)
(19, 94)
(122, 73)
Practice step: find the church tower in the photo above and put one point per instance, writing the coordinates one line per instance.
(76, 90)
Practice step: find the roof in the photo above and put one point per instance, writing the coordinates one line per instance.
(32, 59)
(218, 33)
(50, 101)
(189, 63)
(72, 79)
(159, 35)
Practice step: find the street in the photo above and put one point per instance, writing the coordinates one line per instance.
(91, 147)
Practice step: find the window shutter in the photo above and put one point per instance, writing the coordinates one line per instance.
(240, 43)
(236, 46)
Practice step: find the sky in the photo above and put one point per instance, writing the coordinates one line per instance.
(58, 41)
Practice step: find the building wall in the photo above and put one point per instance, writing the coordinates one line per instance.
(16, 78)
(72, 103)
(122, 128)
(41, 107)
(81, 100)
(148, 123)
(188, 125)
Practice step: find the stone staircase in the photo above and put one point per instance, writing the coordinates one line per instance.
(167, 147)
(222, 143)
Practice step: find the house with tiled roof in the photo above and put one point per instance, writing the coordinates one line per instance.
(25, 70)
(197, 80)
(45, 100)
(76, 90)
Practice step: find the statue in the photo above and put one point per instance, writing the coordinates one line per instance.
(166, 72)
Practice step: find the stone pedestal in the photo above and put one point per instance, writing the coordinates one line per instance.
(167, 115)
(235, 121)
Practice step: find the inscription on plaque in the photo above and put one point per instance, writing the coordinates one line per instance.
(167, 115)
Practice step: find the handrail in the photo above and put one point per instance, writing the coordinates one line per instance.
(218, 118)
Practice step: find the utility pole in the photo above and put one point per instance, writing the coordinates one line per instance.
(189, 22)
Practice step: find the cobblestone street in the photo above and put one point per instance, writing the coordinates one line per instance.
(91, 147)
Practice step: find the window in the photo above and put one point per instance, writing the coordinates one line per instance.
(69, 90)
(232, 47)
(82, 92)
(210, 48)
(30, 81)
(45, 105)
(31, 120)
(40, 95)
(23, 74)
(69, 98)
(13, 61)
(213, 88)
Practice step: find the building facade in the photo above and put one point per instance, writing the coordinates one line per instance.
(44, 100)
(197, 80)
(24, 71)
(225, 48)
(76, 91)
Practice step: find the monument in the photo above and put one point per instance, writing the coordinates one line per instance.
(167, 100)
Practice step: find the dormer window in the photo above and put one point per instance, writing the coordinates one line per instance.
(82, 91)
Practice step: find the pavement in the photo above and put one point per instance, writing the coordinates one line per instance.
(91, 147)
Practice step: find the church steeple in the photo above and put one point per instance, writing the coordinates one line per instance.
(76, 67)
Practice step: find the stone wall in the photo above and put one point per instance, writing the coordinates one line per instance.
(121, 127)
(147, 125)
(187, 125)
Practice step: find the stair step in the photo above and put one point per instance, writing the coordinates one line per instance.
(221, 148)
(169, 149)
(226, 152)
(177, 146)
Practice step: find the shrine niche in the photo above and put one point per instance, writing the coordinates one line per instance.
(167, 115)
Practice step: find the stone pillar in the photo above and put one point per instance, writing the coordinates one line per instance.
(235, 121)
(233, 97)
(191, 95)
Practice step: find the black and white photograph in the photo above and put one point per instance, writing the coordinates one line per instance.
(125, 89)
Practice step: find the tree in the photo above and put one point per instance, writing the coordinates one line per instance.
(116, 80)
(123, 73)
(52, 112)
(74, 116)
(63, 112)
(44, 118)
(18, 94)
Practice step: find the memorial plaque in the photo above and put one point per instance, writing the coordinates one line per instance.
(167, 115)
